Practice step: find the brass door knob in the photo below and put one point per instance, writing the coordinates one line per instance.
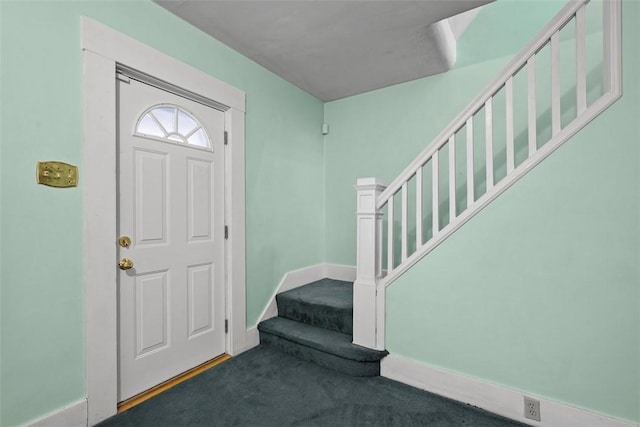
(125, 264)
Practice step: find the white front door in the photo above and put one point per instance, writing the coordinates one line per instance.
(171, 206)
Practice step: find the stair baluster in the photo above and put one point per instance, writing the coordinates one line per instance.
(372, 280)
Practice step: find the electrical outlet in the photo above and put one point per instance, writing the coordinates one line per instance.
(531, 408)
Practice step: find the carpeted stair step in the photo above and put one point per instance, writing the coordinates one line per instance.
(326, 303)
(325, 347)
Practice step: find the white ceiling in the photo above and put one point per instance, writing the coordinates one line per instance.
(335, 49)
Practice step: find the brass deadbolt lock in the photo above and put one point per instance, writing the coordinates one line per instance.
(124, 241)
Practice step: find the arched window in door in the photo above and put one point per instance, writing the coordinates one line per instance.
(171, 123)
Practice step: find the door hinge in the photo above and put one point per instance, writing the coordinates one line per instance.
(226, 326)
(226, 232)
(226, 138)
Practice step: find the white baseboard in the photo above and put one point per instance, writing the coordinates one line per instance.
(490, 397)
(340, 272)
(74, 415)
(297, 278)
(253, 338)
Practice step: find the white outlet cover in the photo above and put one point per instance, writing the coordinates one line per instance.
(531, 408)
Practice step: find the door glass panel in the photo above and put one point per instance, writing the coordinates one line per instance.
(148, 126)
(177, 138)
(173, 124)
(199, 139)
(186, 123)
(167, 117)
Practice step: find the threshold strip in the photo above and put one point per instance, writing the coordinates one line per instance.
(154, 391)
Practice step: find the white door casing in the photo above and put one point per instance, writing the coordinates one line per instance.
(103, 50)
(171, 206)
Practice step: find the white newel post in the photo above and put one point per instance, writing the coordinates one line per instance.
(368, 300)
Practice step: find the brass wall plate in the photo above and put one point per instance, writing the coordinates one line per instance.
(57, 174)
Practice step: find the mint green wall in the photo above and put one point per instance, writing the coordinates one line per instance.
(540, 291)
(473, 299)
(42, 312)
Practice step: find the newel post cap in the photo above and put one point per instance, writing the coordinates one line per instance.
(370, 184)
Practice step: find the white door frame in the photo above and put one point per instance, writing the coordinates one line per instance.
(103, 49)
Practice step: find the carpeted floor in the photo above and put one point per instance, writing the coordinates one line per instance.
(264, 387)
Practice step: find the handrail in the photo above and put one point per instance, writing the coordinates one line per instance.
(560, 20)
(372, 277)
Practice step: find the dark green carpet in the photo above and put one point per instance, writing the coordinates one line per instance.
(334, 362)
(326, 303)
(264, 387)
(315, 323)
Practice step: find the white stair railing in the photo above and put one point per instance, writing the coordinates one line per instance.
(392, 236)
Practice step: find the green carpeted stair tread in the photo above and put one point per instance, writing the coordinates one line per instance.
(327, 341)
(328, 292)
(335, 363)
(315, 323)
(326, 303)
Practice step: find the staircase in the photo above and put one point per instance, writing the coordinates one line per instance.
(567, 76)
(341, 325)
(315, 323)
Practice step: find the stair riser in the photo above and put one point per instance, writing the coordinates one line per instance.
(346, 366)
(315, 315)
